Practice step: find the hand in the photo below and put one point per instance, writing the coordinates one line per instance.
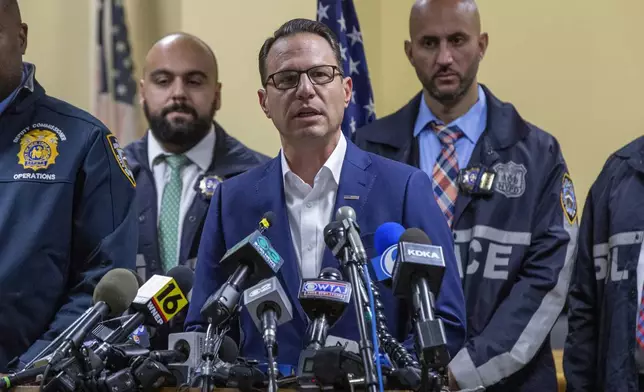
(451, 383)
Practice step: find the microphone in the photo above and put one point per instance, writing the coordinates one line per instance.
(337, 235)
(386, 245)
(159, 300)
(418, 274)
(269, 307)
(324, 300)
(348, 215)
(112, 296)
(252, 259)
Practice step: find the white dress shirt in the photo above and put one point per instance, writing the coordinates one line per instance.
(200, 157)
(310, 209)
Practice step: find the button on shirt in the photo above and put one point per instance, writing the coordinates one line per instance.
(310, 209)
(472, 124)
(200, 157)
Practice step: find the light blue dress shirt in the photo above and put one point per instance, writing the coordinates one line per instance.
(472, 124)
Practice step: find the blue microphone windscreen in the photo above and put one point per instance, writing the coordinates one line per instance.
(386, 235)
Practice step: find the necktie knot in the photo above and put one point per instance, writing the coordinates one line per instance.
(447, 135)
(176, 161)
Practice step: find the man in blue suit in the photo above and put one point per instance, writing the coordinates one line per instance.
(317, 171)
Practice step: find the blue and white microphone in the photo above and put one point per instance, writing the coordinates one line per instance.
(386, 244)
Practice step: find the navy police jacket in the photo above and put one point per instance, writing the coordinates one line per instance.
(230, 158)
(67, 208)
(600, 348)
(380, 191)
(515, 242)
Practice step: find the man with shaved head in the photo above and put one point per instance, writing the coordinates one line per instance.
(184, 155)
(66, 202)
(504, 188)
(180, 161)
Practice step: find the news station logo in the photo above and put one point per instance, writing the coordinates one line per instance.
(269, 254)
(424, 254)
(326, 289)
(261, 290)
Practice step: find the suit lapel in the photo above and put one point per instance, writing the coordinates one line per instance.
(353, 190)
(267, 187)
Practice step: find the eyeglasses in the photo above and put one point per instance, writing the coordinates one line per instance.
(321, 74)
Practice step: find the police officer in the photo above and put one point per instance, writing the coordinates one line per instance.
(67, 204)
(184, 155)
(503, 186)
(604, 349)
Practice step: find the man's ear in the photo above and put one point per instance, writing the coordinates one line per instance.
(24, 32)
(218, 96)
(262, 94)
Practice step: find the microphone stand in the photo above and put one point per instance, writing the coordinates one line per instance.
(366, 350)
(211, 348)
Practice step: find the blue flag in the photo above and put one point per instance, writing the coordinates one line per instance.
(341, 17)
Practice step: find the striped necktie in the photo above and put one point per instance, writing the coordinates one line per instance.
(446, 169)
(169, 213)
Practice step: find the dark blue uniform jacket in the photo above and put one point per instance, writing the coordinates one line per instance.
(515, 244)
(67, 216)
(600, 349)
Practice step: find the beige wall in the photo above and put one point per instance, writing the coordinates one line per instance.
(570, 67)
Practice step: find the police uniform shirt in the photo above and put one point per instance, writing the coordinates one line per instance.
(200, 157)
(472, 124)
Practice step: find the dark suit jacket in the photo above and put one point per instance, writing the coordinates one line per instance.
(382, 190)
(230, 159)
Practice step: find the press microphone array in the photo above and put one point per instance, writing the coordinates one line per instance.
(111, 364)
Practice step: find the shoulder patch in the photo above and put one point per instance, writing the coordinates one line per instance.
(119, 155)
(568, 199)
(510, 179)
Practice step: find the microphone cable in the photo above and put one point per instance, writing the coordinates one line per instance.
(366, 280)
(395, 350)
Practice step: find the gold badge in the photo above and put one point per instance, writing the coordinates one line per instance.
(38, 149)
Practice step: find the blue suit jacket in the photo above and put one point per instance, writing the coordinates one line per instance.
(388, 191)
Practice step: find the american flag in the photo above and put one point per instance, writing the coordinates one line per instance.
(115, 103)
(341, 17)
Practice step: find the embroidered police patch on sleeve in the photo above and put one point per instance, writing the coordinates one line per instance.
(119, 155)
(568, 199)
(510, 179)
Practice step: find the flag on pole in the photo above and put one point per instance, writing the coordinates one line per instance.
(340, 16)
(115, 100)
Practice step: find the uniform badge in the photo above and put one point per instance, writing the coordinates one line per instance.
(568, 199)
(510, 180)
(207, 184)
(476, 180)
(119, 155)
(38, 149)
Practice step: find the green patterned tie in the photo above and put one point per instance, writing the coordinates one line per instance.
(169, 219)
